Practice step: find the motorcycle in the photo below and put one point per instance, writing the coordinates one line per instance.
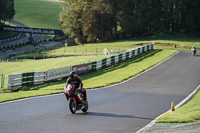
(75, 98)
(193, 52)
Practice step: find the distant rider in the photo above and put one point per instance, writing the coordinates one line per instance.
(74, 79)
(193, 49)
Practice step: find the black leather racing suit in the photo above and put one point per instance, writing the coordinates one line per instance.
(78, 84)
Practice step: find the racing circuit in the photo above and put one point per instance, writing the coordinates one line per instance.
(122, 108)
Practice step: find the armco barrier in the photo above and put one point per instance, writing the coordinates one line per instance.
(16, 81)
(54, 74)
(25, 79)
(11, 39)
(28, 79)
(97, 65)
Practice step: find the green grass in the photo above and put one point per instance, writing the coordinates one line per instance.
(183, 42)
(38, 13)
(162, 41)
(189, 112)
(47, 36)
(87, 49)
(122, 71)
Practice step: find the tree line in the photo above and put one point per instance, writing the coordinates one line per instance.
(89, 20)
(7, 10)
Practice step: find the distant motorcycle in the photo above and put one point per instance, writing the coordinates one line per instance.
(193, 49)
(194, 52)
(75, 98)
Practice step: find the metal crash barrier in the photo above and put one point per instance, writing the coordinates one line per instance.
(16, 81)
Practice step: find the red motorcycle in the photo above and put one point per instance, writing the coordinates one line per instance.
(75, 98)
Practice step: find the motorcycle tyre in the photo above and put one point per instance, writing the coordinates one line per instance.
(72, 106)
(85, 109)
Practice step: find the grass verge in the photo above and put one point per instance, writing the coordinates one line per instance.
(189, 112)
(113, 74)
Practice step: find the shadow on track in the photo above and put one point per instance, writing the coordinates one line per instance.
(197, 56)
(112, 115)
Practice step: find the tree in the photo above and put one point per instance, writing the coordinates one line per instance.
(88, 20)
(7, 11)
(99, 21)
(69, 20)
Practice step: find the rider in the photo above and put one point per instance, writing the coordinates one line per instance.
(193, 49)
(74, 79)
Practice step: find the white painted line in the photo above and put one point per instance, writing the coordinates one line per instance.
(142, 130)
(188, 97)
(30, 98)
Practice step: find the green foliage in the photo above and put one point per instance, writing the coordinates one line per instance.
(6, 34)
(6, 10)
(154, 16)
(99, 19)
(88, 19)
(70, 19)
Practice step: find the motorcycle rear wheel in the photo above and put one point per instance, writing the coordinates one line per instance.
(72, 106)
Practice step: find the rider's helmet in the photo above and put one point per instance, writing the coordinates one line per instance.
(72, 74)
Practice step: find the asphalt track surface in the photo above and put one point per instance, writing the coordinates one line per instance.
(124, 108)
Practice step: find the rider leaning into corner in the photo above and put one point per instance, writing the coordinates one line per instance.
(74, 79)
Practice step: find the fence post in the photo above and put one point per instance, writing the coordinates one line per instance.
(2, 80)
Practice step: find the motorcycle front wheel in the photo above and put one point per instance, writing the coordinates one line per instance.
(72, 106)
(85, 108)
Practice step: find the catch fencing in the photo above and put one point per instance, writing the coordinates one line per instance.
(16, 81)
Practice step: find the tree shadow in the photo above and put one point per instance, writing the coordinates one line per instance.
(99, 114)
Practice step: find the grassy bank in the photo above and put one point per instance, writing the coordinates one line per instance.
(38, 13)
(87, 49)
(189, 112)
(162, 41)
(166, 41)
(96, 79)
